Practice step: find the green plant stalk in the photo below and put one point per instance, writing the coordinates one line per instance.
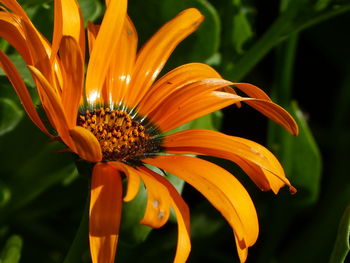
(342, 245)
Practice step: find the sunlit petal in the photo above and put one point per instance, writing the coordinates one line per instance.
(221, 188)
(157, 50)
(134, 180)
(105, 212)
(182, 213)
(174, 80)
(245, 153)
(87, 146)
(72, 90)
(106, 41)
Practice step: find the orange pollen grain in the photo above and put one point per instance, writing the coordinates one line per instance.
(120, 137)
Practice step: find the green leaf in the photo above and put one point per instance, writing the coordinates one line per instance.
(11, 253)
(22, 69)
(10, 115)
(342, 244)
(300, 157)
(299, 16)
(91, 9)
(33, 2)
(242, 30)
(322, 4)
(5, 194)
(131, 232)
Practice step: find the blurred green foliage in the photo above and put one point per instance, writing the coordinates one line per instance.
(297, 49)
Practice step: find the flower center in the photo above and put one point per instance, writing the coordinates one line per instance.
(121, 137)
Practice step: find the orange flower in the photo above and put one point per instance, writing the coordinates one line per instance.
(115, 115)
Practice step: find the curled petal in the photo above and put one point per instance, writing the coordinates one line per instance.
(259, 163)
(182, 213)
(158, 203)
(134, 180)
(12, 31)
(188, 106)
(221, 188)
(87, 146)
(105, 212)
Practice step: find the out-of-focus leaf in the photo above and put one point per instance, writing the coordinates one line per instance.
(211, 121)
(300, 157)
(131, 232)
(10, 115)
(299, 16)
(33, 2)
(79, 243)
(22, 68)
(214, 60)
(5, 194)
(11, 253)
(322, 4)
(23, 195)
(242, 30)
(342, 244)
(91, 9)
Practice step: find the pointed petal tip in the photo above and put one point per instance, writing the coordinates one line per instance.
(292, 190)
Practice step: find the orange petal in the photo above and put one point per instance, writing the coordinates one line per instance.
(22, 28)
(38, 52)
(172, 81)
(87, 145)
(21, 90)
(73, 66)
(15, 7)
(105, 43)
(123, 62)
(68, 21)
(247, 154)
(105, 212)
(221, 188)
(186, 106)
(182, 213)
(190, 102)
(157, 50)
(134, 180)
(276, 113)
(92, 31)
(158, 202)
(53, 107)
(252, 91)
(11, 30)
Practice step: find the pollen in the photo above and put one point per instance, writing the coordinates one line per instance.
(122, 138)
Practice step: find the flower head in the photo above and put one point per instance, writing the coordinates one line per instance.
(116, 115)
